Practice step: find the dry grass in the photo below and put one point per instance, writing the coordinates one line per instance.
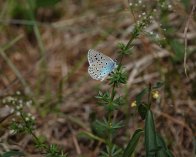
(80, 26)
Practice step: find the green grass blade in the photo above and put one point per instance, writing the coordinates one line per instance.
(164, 151)
(12, 153)
(132, 143)
(91, 136)
(15, 70)
(150, 135)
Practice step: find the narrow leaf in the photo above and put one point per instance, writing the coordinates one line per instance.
(142, 109)
(164, 151)
(132, 143)
(90, 136)
(178, 49)
(140, 96)
(158, 85)
(12, 153)
(150, 135)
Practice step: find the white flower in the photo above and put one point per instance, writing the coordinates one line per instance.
(155, 10)
(12, 132)
(20, 101)
(21, 105)
(18, 107)
(18, 113)
(27, 118)
(12, 110)
(18, 93)
(29, 114)
(29, 103)
(4, 101)
(169, 6)
(32, 117)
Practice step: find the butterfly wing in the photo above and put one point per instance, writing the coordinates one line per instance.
(95, 56)
(100, 70)
(94, 72)
(100, 65)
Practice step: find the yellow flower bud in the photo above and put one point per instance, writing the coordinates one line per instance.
(133, 104)
(155, 94)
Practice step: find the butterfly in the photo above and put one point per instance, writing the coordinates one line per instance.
(100, 65)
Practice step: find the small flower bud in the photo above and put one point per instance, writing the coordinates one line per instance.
(133, 104)
(18, 113)
(12, 110)
(155, 94)
(32, 117)
(169, 6)
(27, 119)
(18, 92)
(29, 114)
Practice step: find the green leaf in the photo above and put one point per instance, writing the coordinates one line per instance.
(158, 85)
(164, 151)
(119, 76)
(140, 105)
(99, 127)
(13, 153)
(132, 143)
(140, 96)
(46, 3)
(90, 135)
(178, 49)
(113, 151)
(142, 109)
(150, 135)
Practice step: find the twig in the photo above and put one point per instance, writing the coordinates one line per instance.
(75, 141)
(146, 77)
(174, 120)
(145, 61)
(185, 39)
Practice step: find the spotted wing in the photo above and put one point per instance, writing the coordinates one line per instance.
(99, 71)
(95, 56)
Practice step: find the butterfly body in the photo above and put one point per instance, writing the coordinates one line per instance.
(100, 65)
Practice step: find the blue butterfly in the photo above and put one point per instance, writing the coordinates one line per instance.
(100, 65)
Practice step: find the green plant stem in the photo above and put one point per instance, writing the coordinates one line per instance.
(113, 95)
(149, 95)
(12, 42)
(10, 63)
(43, 72)
(109, 134)
(32, 133)
(14, 69)
(126, 47)
(36, 31)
